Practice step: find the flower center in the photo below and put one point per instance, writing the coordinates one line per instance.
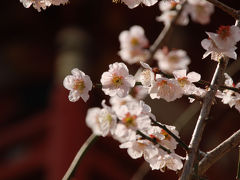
(182, 81)
(162, 83)
(129, 119)
(134, 41)
(117, 81)
(173, 59)
(223, 31)
(108, 118)
(79, 85)
(167, 136)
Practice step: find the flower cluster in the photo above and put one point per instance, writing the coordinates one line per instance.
(42, 4)
(135, 132)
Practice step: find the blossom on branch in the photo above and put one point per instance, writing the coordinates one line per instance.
(222, 43)
(117, 80)
(79, 85)
(167, 89)
(186, 80)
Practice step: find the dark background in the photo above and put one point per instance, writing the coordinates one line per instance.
(41, 131)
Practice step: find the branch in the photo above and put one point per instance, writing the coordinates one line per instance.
(232, 12)
(161, 39)
(87, 144)
(218, 152)
(202, 119)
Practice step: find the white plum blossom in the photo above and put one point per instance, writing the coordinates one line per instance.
(117, 80)
(140, 147)
(146, 77)
(167, 89)
(101, 121)
(123, 134)
(133, 44)
(79, 85)
(223, 43)
(200, 10)
(162, 160)
(42, 4)
(228, 96)
(117, 101)
(134, 3)
(171, 61)
(186, 80)
(135, 115)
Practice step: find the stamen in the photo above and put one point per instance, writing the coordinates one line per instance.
(223, 31)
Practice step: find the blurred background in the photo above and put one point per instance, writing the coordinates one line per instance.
(41, 131)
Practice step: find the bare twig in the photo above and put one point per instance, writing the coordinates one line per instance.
(218, 152)
(79, 156)
(232, 12)
(205, 110)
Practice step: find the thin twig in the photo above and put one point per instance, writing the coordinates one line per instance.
(232, 12)
(205, 110)
(162, 37)
(87, 144)
(218, 152)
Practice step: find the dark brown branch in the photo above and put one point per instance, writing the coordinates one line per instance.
(232, 12)
(218, 152)
(202, 119)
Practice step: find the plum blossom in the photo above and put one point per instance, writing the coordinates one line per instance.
(200, 10)
(171, 61)
(229, 96)
(42, 4)
(135, 115)
(186, 80)
(79, 85)
(133, 44)
(101, 121)
(140, 147)
(222, 44)
(134, 3)
(117, 80)
(147, 76)
(171, 161)
(168, 89)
